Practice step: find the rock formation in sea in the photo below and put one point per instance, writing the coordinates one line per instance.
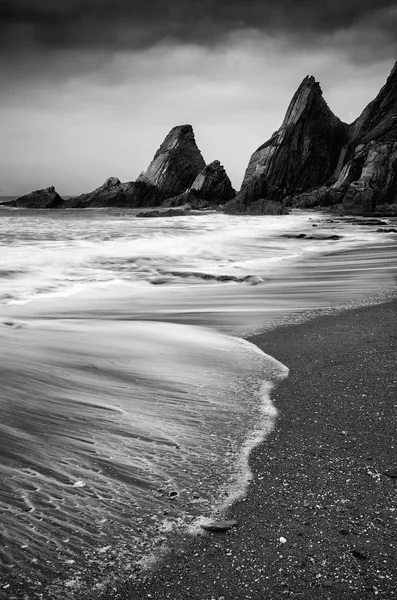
(176, 163)
(168, 212)
(211, 187)
(45, 198)
(113, 193)
(315, 159)
(312, 160)
(172, 171)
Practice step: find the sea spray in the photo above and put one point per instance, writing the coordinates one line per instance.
(236, 487)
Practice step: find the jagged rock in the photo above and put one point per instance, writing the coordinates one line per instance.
(322, 196)
(164, 213)
(304, 152)
(213, 185)
(180, 200)
(385, 210)
(368, 177)
(252, 190)
(316, 160)
(267, 207)
(360, 198)
(113, 193)
(176, 163)
(45, 198)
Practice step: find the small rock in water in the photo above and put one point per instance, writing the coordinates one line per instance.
(79, 484)
(283, 540)
(216, 525)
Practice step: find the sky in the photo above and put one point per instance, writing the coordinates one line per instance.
(90, 88)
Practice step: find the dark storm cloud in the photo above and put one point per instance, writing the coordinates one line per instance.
(123, 24)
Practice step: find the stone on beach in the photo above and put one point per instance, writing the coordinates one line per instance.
(218, 526)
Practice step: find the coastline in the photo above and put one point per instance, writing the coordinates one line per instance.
(319, 479)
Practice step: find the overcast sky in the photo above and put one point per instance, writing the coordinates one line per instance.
(90, 88)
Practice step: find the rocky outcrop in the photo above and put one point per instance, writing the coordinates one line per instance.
(253, 189)
(113, 193)
(212, 187)
(316, 160)
(178, 212)
(369, 176)
(267, 207)
(175, 165)
(302, 154)
(45, 198)
(252, 199)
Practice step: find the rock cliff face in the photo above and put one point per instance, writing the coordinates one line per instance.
(113, 193)
(369, 176)
(316, 160)
(45, 198)
(176, 163)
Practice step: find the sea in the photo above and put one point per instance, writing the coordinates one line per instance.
(130, 396)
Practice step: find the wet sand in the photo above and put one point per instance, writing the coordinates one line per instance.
(319, 481)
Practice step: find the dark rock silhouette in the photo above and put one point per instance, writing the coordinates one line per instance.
(45, 198)
(301, 155)
(211, 187)
(315, 159)
(176, 163)
(369, 176)
(177, 212)
(113, 193)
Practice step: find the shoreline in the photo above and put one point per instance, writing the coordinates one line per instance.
(318, 482)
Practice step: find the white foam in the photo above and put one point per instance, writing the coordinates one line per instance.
(238, 486)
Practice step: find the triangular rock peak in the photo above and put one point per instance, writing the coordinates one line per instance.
(305, 151)
(176, 163)
(316, 159)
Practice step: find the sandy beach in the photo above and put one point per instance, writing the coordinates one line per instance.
(319, 520)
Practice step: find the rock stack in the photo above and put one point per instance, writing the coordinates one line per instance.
(315, 159)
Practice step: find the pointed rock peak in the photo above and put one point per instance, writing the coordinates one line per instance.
(307, 92)
(378, 119)
(179, 135)
(176, 163)
(393, 72)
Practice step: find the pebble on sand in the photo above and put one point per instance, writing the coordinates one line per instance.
(216, 525)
